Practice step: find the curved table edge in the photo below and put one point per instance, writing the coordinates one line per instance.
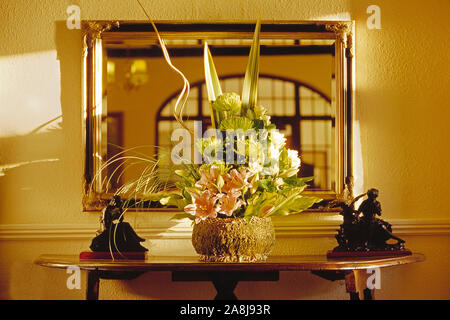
(64, 261)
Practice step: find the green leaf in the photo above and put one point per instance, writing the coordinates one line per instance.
(266, 185)
(192, 170)
(220, 183)
(212, 84)
(260, 200)
(170, 198)
(235, 123)
(295, 205)
(258, 124)
(182, 173)
(293, 202)
(250, 114)
(186, 195)
(283, 159)
(250, 89)
(174, 200)
(298, 182)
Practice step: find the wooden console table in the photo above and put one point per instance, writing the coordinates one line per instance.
(225, 276)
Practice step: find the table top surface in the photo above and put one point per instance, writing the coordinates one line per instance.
(192, 263)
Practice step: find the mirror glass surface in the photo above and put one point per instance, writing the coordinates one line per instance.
(296, 85)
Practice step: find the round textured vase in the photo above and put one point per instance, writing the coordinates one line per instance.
(234, 239)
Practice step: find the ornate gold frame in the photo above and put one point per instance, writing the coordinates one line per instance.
(96, 33)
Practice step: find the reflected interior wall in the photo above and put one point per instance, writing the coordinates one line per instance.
(139, 106)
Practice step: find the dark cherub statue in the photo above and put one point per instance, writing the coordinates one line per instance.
(116, 235)
(362, 231)
(377, 231)
(370, 207)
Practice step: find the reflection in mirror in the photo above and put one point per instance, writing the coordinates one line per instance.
(129, 94)
(296, 85)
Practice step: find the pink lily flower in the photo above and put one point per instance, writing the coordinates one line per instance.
(236, 180)
(208, 178)
(229, 203)
(203, 205)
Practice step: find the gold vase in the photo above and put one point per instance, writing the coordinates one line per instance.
(234, 239)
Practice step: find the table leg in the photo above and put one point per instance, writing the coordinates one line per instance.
(225, 288)
(93, 283)
(356, 285)
(369, 294)
(225, 281)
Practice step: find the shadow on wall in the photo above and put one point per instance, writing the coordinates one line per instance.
(41, 170)
(302, 285)
(28, 167)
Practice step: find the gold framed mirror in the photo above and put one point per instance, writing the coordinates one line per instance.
(306, 84)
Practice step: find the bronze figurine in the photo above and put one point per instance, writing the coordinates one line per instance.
(116, 235)
(361, 230)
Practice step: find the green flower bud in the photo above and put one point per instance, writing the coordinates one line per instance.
(228, 102)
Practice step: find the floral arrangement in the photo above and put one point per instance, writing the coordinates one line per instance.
(242, 169)
(246, 168)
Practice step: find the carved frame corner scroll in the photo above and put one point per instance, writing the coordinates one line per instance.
(344, 32)
(92, 30)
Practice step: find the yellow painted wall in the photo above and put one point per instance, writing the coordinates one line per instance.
(401, 141)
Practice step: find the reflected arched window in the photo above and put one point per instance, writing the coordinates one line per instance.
(301, 112)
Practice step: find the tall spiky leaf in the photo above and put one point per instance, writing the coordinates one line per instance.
(212, 85)
(250, 89)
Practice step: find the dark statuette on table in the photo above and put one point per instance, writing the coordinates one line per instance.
(116, 239)
(362, 233)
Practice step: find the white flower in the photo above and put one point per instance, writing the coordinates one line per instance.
(294, 163)
(277, 138)
(260, 110)
(279, 182)
(294, 159)
(260, 113)
(255, 166)
(272, 170)
(274, 153)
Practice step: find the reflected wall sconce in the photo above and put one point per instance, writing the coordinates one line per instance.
(137, 76)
